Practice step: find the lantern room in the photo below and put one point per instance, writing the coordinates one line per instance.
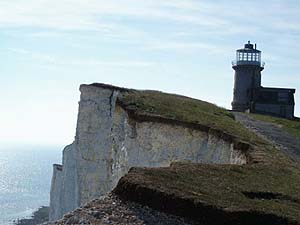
(248, 55)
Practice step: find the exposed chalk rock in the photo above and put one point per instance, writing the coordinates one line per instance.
(109, 142)
(55, 210)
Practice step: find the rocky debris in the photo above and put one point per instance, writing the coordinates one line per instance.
(288, 144)
(113, 211)
(40, 216)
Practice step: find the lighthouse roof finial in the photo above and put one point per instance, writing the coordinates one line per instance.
(249, 45)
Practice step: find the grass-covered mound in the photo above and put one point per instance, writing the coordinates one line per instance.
(176, 108)
(180, 110)
(218, 194)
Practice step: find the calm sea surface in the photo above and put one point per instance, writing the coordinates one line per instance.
(25, 177)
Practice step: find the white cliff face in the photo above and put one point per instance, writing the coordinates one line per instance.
(94, 142)
(69, 185)
(63, 197)
(55, 210)
(108, 143)
(152, 144)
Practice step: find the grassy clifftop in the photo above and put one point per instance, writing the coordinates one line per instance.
(183, 109)
(265, 191)
(218, 194)
(172, 108)
(146, 105)
(197, 114)
(149, 105)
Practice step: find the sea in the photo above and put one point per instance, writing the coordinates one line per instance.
(25, 178)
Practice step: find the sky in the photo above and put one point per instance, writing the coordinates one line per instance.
(49, 47)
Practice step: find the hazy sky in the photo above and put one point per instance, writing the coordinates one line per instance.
(49, 47)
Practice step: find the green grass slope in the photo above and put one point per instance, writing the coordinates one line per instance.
(180, 108)
(265, 191)
(218, 194)
(197, 114)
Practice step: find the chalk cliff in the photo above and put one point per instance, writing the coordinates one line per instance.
(112, 136)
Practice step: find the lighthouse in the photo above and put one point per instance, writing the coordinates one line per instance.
(248, 93)
(247, 77)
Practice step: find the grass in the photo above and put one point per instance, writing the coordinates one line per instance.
(177, 107)
(192, 111)
(180, 108)
(290, 126)
(221, 187)
(225, 187)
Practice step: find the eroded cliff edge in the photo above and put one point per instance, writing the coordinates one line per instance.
(119, 128)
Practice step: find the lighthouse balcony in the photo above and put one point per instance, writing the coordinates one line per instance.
(246, 62)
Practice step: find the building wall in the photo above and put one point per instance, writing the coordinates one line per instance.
(246, 78)
(286, 111)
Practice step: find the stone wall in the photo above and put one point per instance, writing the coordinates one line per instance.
(108, 143)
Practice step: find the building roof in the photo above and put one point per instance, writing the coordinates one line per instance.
(249, 48)
(272, 89)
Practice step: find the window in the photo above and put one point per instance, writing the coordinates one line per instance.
(250, 57)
